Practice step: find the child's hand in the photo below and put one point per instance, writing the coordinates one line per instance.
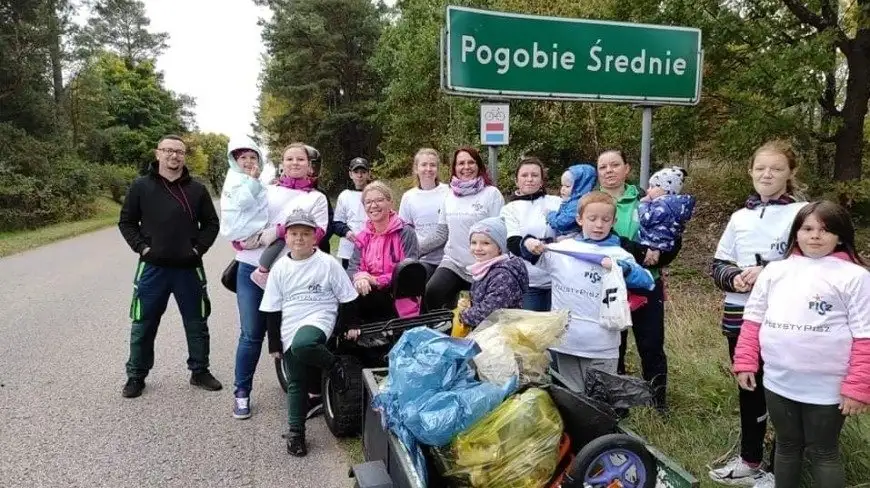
(253, 172)
(352, 334)
(350, 236)
(739, 285)
(276, 355)
(535, 246)
(850, 406)
(749, 275)
(652, 257)
(746, 381)
(655, 192)
(607, 264)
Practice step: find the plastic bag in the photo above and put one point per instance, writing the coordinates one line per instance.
(514, 343)
(515, 446)
(459, 329)
(615, 310)
(620, 392)
(431, 392)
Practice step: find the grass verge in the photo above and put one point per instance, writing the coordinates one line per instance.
(14, 242)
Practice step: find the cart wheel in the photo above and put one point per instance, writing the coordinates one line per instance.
(282, 375)
(613, 460)
(343, 411)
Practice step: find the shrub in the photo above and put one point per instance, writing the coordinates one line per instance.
(115, 180)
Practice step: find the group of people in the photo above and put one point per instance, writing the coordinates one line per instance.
(794, 286)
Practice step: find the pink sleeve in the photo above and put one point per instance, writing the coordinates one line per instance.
(318, 234)
(747, 354)
(383, 280)
(857, 383)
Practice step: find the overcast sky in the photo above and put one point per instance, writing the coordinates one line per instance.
(214, 55)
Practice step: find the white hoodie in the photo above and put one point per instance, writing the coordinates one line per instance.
(244, 208)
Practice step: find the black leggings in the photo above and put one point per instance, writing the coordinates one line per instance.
(442, 290)
(814, 429)
(753, 415)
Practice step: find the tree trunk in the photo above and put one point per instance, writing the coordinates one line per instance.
(54, 53)
(850, 137)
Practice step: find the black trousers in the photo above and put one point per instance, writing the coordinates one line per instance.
(648, 327)
(442, 290)
(753, 415)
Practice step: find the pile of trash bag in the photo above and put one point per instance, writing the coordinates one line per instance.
(515, 446)
(431, 393)
(514, 343)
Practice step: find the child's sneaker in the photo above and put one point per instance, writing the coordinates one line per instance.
(242, 405)
(765, 480)
(737, 473)
(260, 277)
(296, 444)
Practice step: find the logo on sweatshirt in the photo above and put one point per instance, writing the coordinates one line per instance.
(779, 246)
(819, 305)
(478, 207)
(315, 288)
(594, 276)
(609, 297)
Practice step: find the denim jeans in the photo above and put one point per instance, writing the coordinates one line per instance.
(253, 327)
(538, 300)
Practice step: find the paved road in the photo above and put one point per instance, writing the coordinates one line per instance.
(63, 423)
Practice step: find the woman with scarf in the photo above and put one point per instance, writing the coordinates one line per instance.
(526, 215)
(472, 198)
(293, 192)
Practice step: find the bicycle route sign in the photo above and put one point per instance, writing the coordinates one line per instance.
(510, 55)
(494, 124)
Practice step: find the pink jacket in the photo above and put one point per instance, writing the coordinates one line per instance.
(378, 254)
(856, 384)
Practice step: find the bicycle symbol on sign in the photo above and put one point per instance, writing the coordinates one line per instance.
(494, 114)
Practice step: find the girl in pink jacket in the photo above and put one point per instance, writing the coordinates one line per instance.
(808, 320)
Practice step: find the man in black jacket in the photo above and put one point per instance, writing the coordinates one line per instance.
(170, 221)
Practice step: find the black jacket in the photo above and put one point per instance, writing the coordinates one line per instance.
(176, 219)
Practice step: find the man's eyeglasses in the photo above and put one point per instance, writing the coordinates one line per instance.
(177, 152)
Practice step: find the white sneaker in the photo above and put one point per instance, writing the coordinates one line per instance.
(736, 473)
(764, 480)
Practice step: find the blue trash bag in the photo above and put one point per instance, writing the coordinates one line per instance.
(431, 393)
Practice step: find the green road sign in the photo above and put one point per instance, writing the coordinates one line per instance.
(508, 55)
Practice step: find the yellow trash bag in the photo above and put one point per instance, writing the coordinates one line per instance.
(515, 342)
(515, 446)
(459, 329)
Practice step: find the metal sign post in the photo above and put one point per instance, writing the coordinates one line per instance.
(645, 144)
(494, 131)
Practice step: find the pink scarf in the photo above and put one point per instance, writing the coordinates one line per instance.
(465, 188)
(479, 269)
(303, 184)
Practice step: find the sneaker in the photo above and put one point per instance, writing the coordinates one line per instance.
(133, 387)
(765, 480)
(315, 406)
(260, 277)
(736, 473)
(296, 444)
(205, 381)
(242, 405)
(338, 378)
